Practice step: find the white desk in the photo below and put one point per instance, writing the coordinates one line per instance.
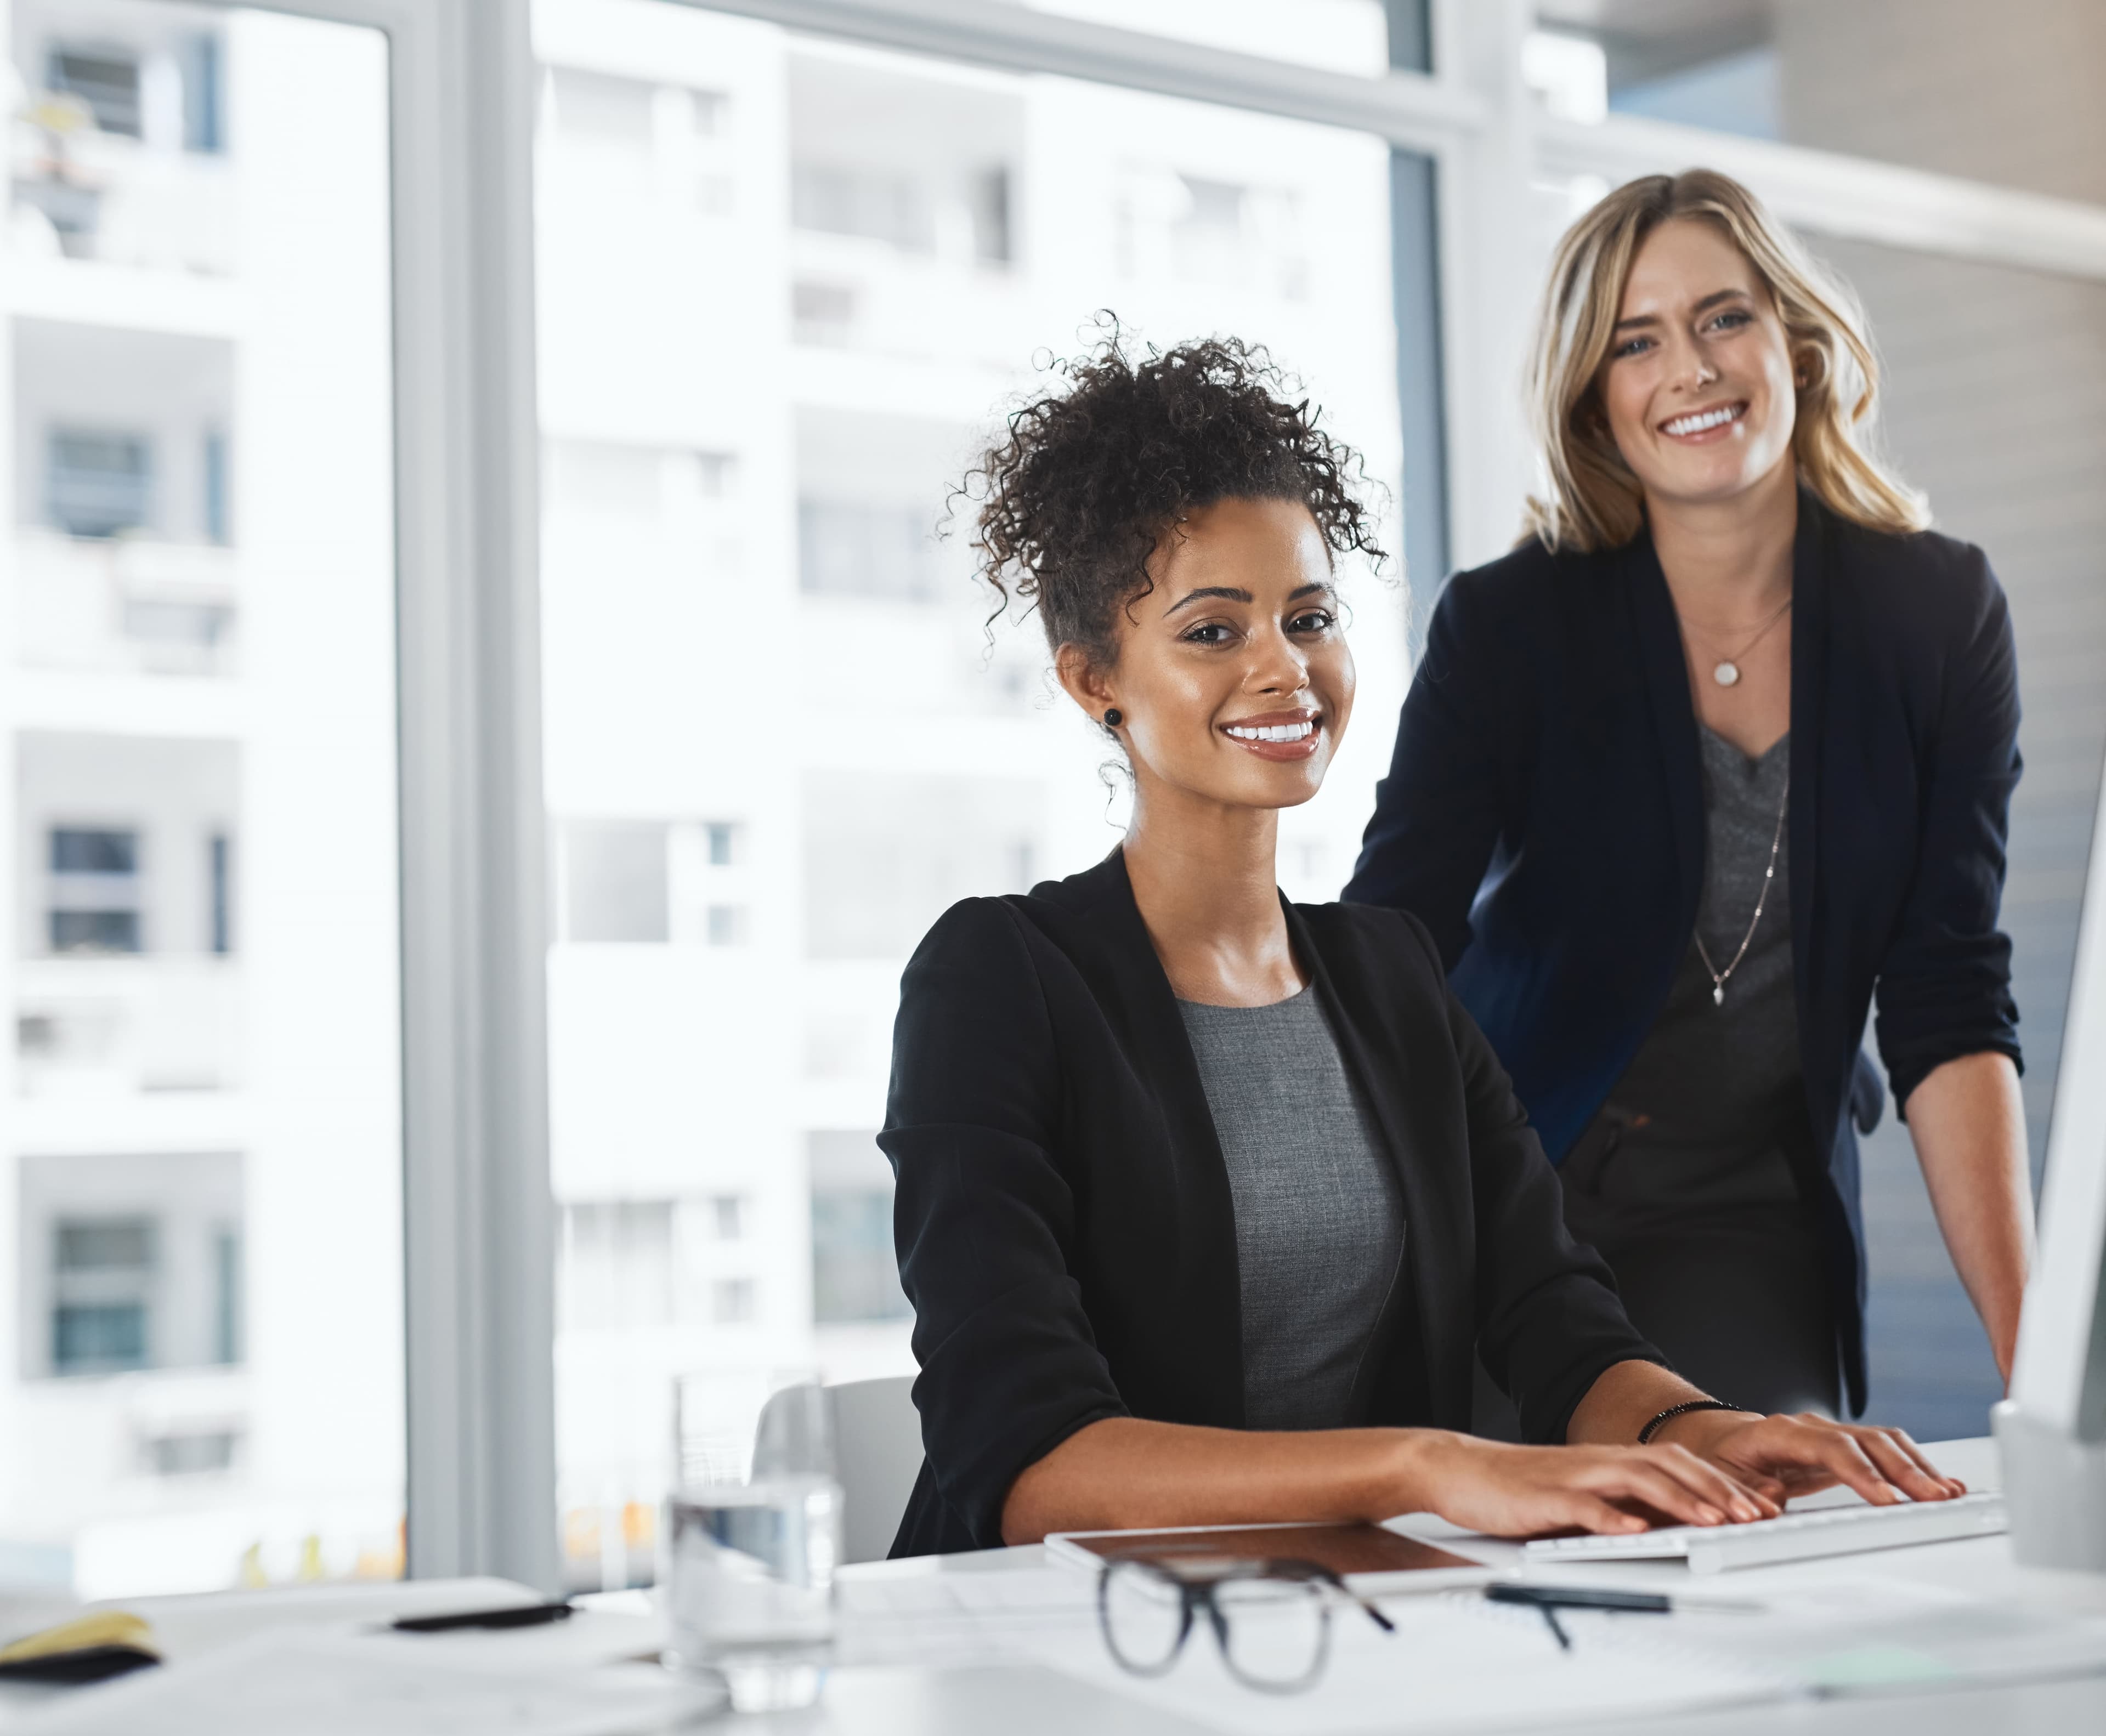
(1021, 1699)
(1024, 1701)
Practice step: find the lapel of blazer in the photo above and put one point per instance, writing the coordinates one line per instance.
(1666, 673)
(1417, 1137)
(1202, 1288)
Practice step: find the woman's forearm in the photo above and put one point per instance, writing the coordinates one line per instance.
(1124, 1472)
(1623, 1399)
(1969, 1123)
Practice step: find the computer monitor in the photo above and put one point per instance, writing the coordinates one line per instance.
(2052, 1429)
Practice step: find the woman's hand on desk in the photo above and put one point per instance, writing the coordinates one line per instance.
(1123, 1472)
(1788, 1456)
(1515, 1492)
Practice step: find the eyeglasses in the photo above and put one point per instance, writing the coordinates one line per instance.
(1271, 1619)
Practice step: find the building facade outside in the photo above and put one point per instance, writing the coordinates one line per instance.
(198, 1107)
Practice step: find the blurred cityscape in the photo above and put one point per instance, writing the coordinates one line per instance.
(201, 1215)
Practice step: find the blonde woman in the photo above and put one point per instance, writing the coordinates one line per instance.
(1721, 755)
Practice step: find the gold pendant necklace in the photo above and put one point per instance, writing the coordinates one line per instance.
(1727, 671)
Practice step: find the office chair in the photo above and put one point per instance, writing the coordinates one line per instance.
(877, 1453)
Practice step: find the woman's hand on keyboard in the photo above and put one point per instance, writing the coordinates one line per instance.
(1517, 1492)
(1788, 1456)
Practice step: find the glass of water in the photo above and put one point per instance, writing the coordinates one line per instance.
(754, 1533)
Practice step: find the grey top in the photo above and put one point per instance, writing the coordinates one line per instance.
(1319, 1221)
(1728, 1071)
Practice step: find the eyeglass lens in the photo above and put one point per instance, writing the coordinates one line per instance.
(1146, 1614)
(1274, 1634)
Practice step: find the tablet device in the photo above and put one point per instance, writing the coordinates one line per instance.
(1371, 1559)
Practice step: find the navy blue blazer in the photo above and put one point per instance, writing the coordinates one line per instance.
(1544, 817)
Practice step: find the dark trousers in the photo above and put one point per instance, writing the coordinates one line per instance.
(1714, 1257)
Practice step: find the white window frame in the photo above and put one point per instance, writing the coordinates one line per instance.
(477, 1213)
(479, 1271)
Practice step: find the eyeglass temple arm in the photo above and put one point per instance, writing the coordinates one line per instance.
(1345, 1590)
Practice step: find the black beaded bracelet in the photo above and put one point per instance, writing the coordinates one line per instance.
(1673, 1411)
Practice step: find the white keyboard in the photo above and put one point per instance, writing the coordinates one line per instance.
(1796, 1537)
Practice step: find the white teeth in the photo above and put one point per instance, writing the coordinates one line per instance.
(1708, 419)
(1271, 731)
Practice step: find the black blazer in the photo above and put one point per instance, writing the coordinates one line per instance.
(1544, 815)
(1064, 1219)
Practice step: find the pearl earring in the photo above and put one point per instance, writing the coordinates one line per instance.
(1113, 719)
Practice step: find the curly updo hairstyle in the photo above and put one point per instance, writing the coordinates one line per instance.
(1093, 474)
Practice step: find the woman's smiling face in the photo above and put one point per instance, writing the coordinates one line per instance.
(1233, 679)
(1697, 389)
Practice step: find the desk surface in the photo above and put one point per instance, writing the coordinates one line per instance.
(1023, 1701)
(1021, 1698)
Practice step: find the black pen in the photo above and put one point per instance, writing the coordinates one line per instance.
(513, 1615)
(1547, 1600)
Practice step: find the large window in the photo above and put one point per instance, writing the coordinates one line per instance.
(201, 1110)
(786, 285)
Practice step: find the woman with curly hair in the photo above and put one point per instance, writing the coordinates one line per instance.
(1724, 747)
(1205, 1198)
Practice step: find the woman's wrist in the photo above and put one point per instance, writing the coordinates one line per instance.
(1410, 1476)
(1699, 1430)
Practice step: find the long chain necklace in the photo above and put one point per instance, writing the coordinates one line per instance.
(1769, 874)
(1727, 671)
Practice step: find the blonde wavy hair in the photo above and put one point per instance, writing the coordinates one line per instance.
(1593, 499)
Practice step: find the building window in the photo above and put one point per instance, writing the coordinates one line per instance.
(728, 1216)
(98, 484)
(102, 1284)
(847, 549)
(723, 840)
(855, 1271)
(726, 925)
(203, 95)
(733, 1302)
(95, 898)
(131, 1260)
(218, 865)
(713, 474)
(875, 205)
(709, 113)
(192, 1452)
(213, 466)
(821, 313)
(617, 1264)
(226, 1296)
(885, 853)
(107, 82)
(990, 200)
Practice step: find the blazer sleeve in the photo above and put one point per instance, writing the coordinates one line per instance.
(1437, 815)
(983, 1216)
(1549, 1323)
(1945, 984)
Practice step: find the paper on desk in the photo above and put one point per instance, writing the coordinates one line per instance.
(959, 1617)
(1455, 1663)
(1870, 1634)
(323, 1683)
